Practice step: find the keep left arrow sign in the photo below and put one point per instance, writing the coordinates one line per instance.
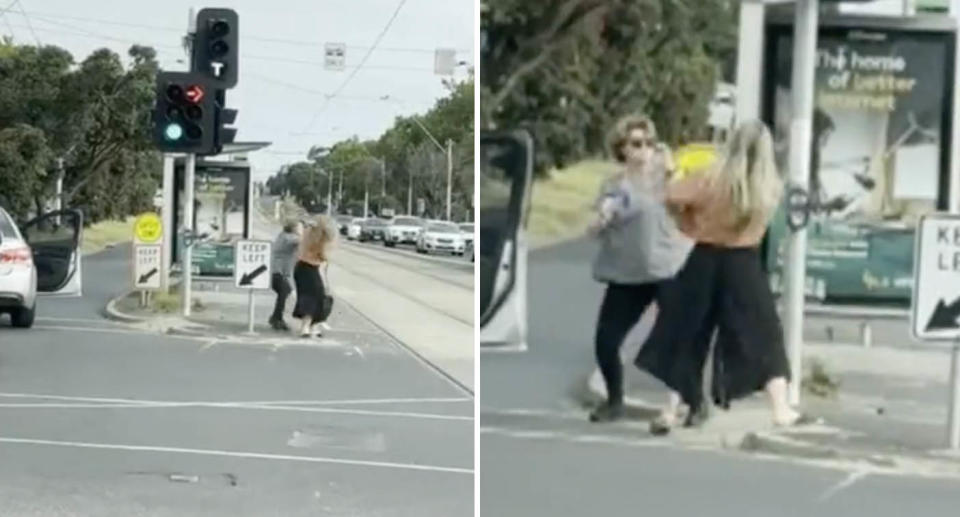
(144, 278)
(248, 278)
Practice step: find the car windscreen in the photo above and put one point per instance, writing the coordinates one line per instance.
(407, 221)
(443, 228)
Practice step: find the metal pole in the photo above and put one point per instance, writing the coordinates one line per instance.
(366, 200)
(169, 225)
(250, 314)
(340, 192)
(449, 175)
(410, 194)
(383, 174)
(804, 53)
(749, 60)
(329, 194)
(953, 436)
(187, 261)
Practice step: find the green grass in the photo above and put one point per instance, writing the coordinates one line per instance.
(106, 233)
(561, 205)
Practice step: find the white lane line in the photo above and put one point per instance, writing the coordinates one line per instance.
(359, 352)
(340, 402)
(206, 346)
(116, 331)
(160, 404)
(844, 484)
(236, 454)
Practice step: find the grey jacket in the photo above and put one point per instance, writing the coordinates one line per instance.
(641, 243)
(285, 253)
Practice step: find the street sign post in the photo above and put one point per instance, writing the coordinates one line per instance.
(147, 267)
(251, 270)
(936, 298)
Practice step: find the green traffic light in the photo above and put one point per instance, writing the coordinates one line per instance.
(173, 132)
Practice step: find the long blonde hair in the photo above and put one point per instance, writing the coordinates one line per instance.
(316, 240)
(749, 169)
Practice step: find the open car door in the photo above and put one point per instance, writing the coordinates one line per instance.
(506, 174)
(55, 240)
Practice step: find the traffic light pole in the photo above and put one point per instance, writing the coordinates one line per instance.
(187, 260)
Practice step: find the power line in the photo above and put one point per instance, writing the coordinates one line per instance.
(363, 61)
(27, 18)
(266, 39)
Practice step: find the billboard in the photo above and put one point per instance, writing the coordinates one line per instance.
(220, 210)
(880, 157)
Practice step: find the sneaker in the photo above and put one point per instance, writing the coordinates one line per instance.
(607, 412)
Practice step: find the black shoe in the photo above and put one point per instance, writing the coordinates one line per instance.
(697, 416)
(279, 325)
(607, 412)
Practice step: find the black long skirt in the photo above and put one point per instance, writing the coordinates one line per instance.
(310, 291)
(722, 289)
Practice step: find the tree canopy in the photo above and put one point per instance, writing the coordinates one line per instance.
(567, 70)
(91, 118)
(396, 169)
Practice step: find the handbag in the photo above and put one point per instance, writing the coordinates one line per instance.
(327, 307)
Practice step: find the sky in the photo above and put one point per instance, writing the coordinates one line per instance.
(283, 93)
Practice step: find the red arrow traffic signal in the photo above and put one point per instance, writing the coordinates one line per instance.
(194, 93)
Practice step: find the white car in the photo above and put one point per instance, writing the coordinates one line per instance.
(353, 231)
(43, 258)
(467, 230)
(403, 230)
(442, 237)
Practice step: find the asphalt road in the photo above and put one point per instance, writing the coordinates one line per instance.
(98, 418)
(539, 456)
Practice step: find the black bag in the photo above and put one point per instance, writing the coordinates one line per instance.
(327, 298)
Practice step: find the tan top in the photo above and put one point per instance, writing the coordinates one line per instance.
(704, 211)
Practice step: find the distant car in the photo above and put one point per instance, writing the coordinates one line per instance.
(353, 229)
(441, 237)
(403, 230)
(372, 230)
(43, 256)
(343, 223)
(467, 230)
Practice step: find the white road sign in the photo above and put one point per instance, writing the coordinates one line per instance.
(444, 61)
(251, 265)
(335, 56)
(936, 287)
(146, 267)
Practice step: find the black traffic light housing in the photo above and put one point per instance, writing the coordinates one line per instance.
(224, 117)
(185, 113)
(216, 45)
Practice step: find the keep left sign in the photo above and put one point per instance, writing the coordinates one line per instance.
(252, 265)
(936, 287)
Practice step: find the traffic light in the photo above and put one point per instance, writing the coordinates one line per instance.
(215, 46)
(224, 117)
(184, 113)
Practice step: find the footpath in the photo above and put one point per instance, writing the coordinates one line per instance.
(884, 406)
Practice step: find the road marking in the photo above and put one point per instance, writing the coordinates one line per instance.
(343, 402)
(237, 454)
(116, 331)
(623, 441)
(80, 320)
(159, 404)
(208, 345)
(359, 352)
(844, 484)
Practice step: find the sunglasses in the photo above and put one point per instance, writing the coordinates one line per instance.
(644, 143)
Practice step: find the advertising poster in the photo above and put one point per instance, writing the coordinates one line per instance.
(879, 159)
(220, 212)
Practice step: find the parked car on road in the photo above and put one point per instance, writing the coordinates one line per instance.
(442, 237)
(343, 223)
(372, 229)
(467, 230)
(403, 230)
(43, 256)
(353, 229)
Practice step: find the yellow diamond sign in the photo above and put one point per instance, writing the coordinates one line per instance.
(148, 228)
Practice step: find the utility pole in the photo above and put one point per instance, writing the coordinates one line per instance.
(449, 175)
(329, 192)
(383, 174)
(410, 193)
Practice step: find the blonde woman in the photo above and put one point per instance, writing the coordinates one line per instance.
(726, 211)
(640, 247)
(311, 291)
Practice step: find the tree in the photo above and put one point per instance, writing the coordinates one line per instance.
(24, 155)
(567, 70)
